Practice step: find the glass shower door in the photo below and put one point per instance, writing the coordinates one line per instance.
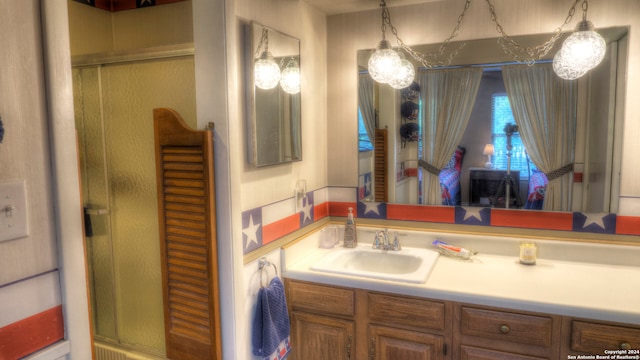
(114, 118)
(91, 140)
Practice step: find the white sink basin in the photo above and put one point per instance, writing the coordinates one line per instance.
(412, 265)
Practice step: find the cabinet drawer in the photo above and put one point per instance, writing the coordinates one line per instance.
(511, 327)
(474, 353)
(595, 338)
(321, 299)
(406, 311)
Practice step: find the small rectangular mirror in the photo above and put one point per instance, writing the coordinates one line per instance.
(272, 62)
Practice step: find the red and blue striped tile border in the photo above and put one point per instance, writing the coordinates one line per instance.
(265, 224)
(29, 335)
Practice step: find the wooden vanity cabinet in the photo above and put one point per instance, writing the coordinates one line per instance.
(330, 322)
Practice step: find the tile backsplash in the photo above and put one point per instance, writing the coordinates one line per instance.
(265, 224)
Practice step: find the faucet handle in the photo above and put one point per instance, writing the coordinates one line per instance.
(396, 242)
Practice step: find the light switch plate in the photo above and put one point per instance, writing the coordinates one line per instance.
(13, 210)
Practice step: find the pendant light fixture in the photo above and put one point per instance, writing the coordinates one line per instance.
(290, 79)
(405, 73)
(266, 72)
(388, 66)
(563, 70)
(581, 51)
(384, 62)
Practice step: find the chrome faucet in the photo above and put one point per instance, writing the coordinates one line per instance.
(381, 241)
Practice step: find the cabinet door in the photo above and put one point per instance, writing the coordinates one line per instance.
(392, 344)
(318, 337)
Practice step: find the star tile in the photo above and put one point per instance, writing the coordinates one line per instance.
(372, 210)
(473, 215)
(594, 222)
(251, 229)
(306, 215)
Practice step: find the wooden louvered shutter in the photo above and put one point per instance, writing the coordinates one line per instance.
(380, 169)
(186, 214)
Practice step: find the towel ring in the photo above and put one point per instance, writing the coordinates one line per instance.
(262, 262)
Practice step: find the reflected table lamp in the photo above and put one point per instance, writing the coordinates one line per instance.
(489, 151)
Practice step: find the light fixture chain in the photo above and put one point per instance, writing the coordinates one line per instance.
(529, 55)
(427, 60)
(456, 30)
(264, 40)
(385, 19)
(585, 7)
(385, 60)
(454, 33)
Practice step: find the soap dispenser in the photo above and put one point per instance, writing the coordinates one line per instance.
(350, 233)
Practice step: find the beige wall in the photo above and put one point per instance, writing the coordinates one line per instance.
(31, 268)
(95, 30)
(24, 153)
(432, 23)
(261, 186)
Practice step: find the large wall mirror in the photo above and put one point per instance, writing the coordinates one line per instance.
(391, 129)
(273, 98)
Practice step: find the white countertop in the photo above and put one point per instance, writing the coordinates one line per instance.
(593, 290)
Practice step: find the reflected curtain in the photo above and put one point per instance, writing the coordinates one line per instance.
(365, 103)
(544, 108)
(447, 100)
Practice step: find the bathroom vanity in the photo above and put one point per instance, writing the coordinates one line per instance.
(490, 307)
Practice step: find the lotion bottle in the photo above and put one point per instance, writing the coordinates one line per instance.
(350, 234)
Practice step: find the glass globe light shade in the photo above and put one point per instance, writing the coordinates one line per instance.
(563, 70)
(290, 79)
(384, 63)
(584, 49)
(404, 75)
(266, 72)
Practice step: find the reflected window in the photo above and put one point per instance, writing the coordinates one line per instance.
(501, 116)
(364, 141)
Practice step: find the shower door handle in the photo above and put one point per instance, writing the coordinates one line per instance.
(88, 227)
(97, 211)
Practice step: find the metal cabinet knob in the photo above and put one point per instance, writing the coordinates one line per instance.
(625, 346)
(505, 329)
